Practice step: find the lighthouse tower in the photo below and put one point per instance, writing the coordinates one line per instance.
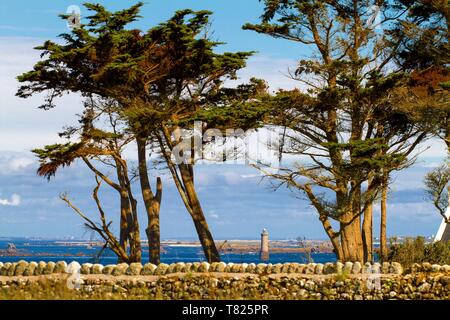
(264, 253)
(443, 233)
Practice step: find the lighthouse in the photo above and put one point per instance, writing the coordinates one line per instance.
(264, 253)
(443, 233)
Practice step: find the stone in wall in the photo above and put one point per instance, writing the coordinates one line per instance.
(97, 269)
(108, 269)
(204, 267)
(339, 267)
(356, 269)
(319, 268)
(134, 269)
(161, 269)
(49, 268)
(20, 268)
(29, 271)
(86, 268)
(120, 269)
(60, 267)
(11, 269)
(148, 269)
(251, 268)
(348, 266)
(329, 268)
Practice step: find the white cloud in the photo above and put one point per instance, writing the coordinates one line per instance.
(20, 163)
(417, 211)
(301, 213)
(274, 70)
(15, 201)
(13, 163)
(433, 149)
(251, 176)
(22, 125)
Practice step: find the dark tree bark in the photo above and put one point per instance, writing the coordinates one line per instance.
(152, 203)
(367, 233)
(367, 230)
(383, 238)
(351, 238)
(201, 226)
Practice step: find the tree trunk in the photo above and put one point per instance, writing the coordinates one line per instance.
(351, 239)
(123, 236)
(130, 233)
(334, 237)
(447, 138)
(383, 239)
(186, 188)
(204, 234)
(124, 225)
(135, 232)
(367, 230)
(152, 203)
(153, 229)
(125, 220)
(132, 230)
(367, 234)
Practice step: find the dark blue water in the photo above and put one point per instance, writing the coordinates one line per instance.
(51, 251)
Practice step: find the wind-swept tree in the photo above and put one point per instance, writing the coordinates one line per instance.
(100, 149)
(344, 124)
(436, 183)
(197, 74)
(159, 78)
(422, 48)
(422, 44)
(105, 59)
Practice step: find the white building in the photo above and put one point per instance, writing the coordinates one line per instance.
(443, 233)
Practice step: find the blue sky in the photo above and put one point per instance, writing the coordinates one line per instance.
(237, 204)
(38, 19)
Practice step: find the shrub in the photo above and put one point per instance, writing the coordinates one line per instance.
(417, 251)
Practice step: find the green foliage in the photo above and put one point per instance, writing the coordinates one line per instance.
(417, 251)
(234, 108)
(103, 21)
(423, 44)
(54, 156)
(366, 155)
(91, 142)
(345, 127)
(152, 75)
(424, 35)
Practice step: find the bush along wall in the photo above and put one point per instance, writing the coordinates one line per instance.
(226, 281)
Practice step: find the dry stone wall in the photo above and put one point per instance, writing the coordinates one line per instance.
(23, 268)
(200, 280)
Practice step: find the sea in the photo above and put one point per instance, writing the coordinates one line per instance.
(49, 250)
